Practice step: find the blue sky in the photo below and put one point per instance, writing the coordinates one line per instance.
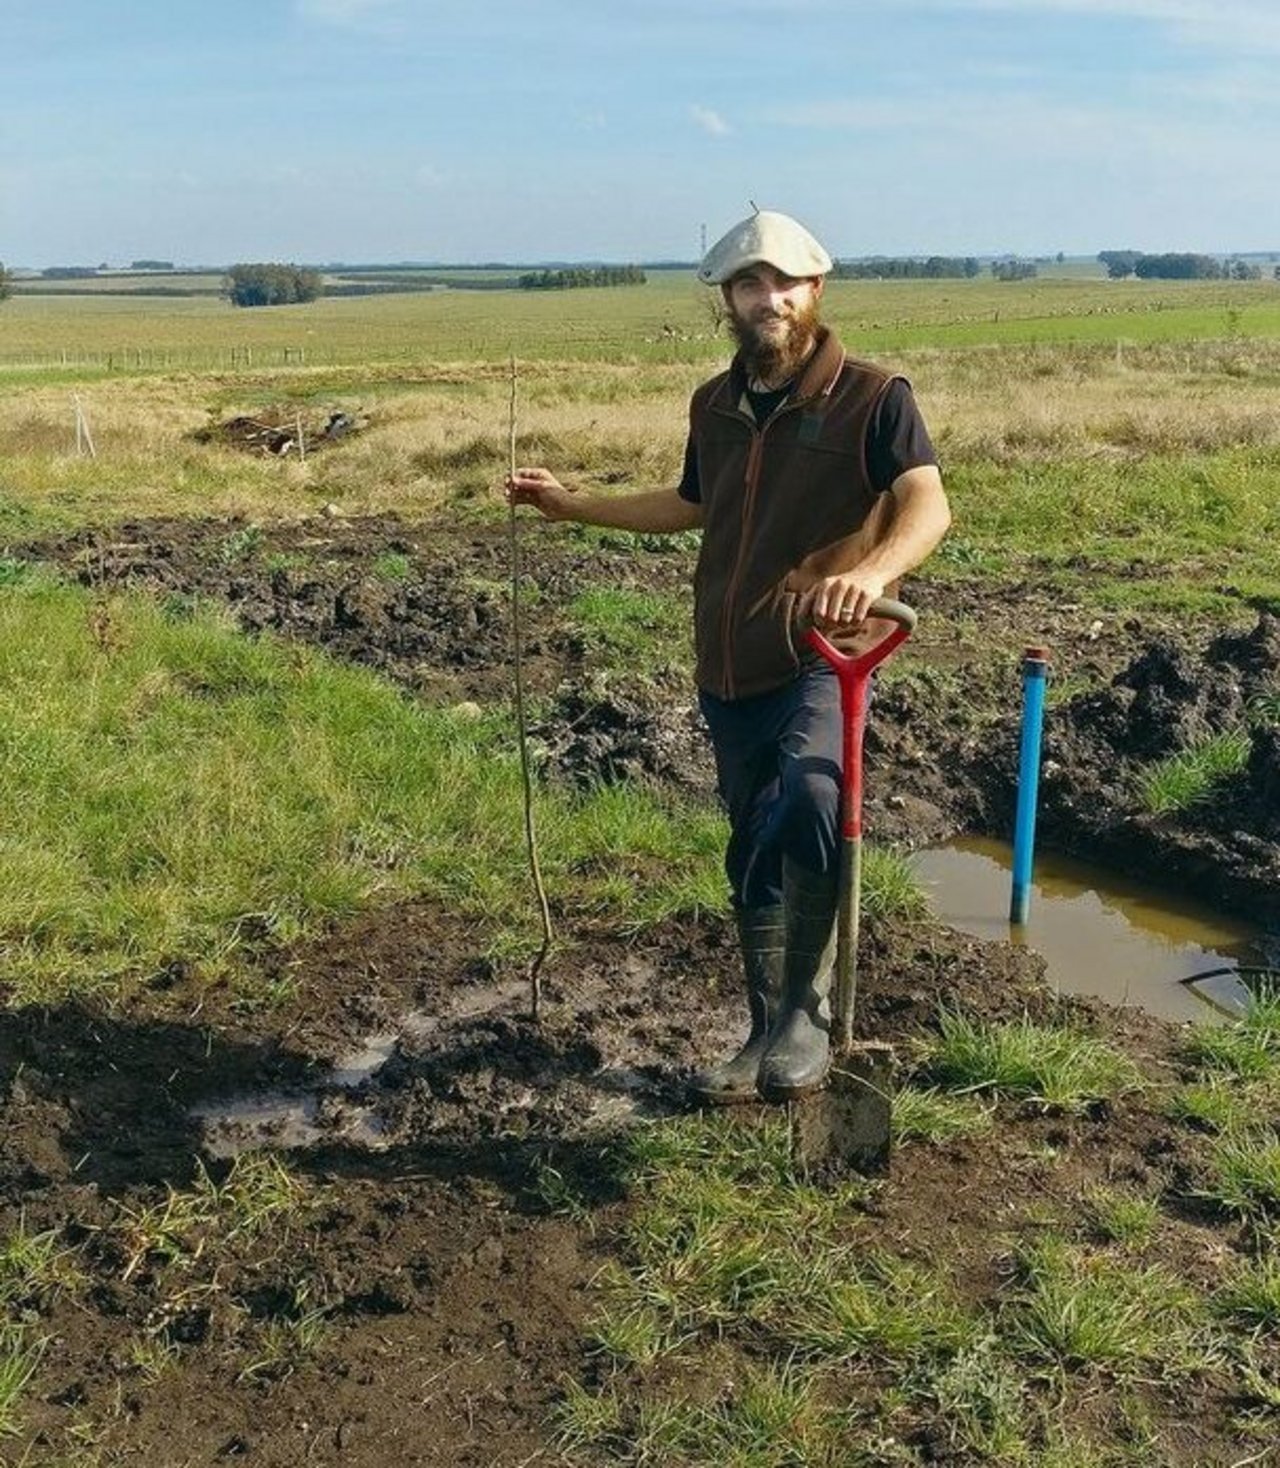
(543, 129)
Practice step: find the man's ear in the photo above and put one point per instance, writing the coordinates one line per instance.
(818, 282)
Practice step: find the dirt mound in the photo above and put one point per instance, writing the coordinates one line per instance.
(1169, 700)
(282, 430)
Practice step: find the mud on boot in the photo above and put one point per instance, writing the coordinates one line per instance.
(762, 936)
(798, 1052)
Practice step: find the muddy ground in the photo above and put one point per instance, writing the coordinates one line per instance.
(434, 1126)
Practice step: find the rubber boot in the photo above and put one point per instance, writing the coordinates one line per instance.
(799, 1049)
(762, 935)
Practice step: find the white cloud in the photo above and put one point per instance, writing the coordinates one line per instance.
(428, 176)
(710, 122)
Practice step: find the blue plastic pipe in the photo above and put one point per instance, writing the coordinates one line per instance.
(1035, 676)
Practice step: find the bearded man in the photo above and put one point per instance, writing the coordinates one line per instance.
(816, 487)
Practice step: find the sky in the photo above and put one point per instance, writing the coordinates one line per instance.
(535, 130)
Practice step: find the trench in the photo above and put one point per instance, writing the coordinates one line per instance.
(1102, 934)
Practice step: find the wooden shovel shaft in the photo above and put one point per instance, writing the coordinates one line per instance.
(846, 985)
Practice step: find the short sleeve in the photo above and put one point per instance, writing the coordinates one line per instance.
(897, 439)
(690, 489)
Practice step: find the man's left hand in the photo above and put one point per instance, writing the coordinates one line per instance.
(840, 601)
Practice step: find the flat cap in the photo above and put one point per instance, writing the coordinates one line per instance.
(765, 238)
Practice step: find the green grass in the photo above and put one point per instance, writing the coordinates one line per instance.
(1252, 1293)
(19, 1357)
(139, 335)
(934, 1116)
(1081, 1310)
(1247, 1049)
(1190, 777)
(749, 1318)
(1055, 1066)
(175, 786)
(1218, 1103)
(634, 630)
(258, 1195)
(1119, 1217)
(1244, 1174)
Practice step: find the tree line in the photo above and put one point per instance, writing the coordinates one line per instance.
(560, 280)
(1176, 266)
(904, 267)
(272, 285)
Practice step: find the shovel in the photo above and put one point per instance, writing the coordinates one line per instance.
(846, 1126)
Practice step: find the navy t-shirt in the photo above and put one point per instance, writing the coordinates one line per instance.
(897, 439)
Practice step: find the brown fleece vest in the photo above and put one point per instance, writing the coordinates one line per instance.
(783, 506)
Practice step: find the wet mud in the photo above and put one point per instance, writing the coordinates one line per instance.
(433, 1122)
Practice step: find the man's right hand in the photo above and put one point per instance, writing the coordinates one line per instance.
(541, 489)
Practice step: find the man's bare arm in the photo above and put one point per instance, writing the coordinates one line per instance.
(658, 511)
(921, 518)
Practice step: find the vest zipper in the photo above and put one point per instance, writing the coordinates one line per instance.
(754, 455)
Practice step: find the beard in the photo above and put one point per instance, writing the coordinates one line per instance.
(775, 353)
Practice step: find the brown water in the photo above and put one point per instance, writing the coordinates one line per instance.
(1099, 933)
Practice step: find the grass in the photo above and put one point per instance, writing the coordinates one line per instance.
(258, 1194)
(1054, 1066)
(1252, 1294)
(176, 786)
(751, 1319)
(934, 1116)
(636, 630)
(182, 792)
(1116, 1216)
(19, 1357)
(1246, 1049)
(1244, 1170)
(1081, 1310)
(1190, 777)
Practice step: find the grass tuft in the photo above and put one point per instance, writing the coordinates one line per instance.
(935, 1116)
(1119, 1217)
(1052, 1065)
(19, 1357)
(1247, 1048)
(1245, 1174)
(1081, 1310)
(1252, 1295)
(1189, 778)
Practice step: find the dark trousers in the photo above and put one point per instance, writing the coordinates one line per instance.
(778, 761)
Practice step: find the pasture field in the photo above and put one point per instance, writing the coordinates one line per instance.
(287, 1169)
(665, 321)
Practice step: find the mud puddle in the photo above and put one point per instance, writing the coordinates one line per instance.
(1100, 934)
(400, 1083)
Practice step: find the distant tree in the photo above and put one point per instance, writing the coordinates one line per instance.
(1242, 270)
(272, 285)
(1178, 266)
(577, 277)
(1014, 269)
(903, 267)
(1120, 263)
(70, 272)
(6, 283)
(151, 265)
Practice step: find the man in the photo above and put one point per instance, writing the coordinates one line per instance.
(816, 488)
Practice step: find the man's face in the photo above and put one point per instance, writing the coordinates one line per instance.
(774, 317)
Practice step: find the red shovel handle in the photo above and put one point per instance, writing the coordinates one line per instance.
(854, 674)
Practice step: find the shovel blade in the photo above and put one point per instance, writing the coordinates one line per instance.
(845, 1128)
